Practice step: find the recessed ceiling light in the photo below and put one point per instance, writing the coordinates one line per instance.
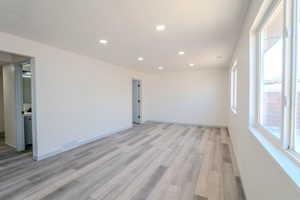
(160, 68)
(160, 27)
(181, 53)
(235, 63)
(140, 58)
(191, 64)
(103, 41)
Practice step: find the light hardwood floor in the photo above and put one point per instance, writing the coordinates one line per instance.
(152, 161)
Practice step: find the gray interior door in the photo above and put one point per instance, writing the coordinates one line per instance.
(20, 139)
(136, 101)
(12, 92)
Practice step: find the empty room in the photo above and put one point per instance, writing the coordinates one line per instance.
(150, 100)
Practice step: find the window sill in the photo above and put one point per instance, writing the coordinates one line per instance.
(283, 158)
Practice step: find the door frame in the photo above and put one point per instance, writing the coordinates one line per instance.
(33, 101)
(34, 110)
(140, 98)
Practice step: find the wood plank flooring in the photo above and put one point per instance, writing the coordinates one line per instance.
(154, 161)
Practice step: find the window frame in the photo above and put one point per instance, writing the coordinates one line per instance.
(259, 75)
(286, 143)
(233, 87)
(294, 12)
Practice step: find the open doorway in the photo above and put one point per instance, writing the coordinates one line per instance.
(15, 105)
(136, 101)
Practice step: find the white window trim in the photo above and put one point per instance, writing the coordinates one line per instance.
(233, 87)
(290, 143)
(281, 150)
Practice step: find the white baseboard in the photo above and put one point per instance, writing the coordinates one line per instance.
(11, 145)
(187, 124)
(78, 143)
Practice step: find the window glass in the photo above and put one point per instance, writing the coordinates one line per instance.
(271, 72)
(234, 88)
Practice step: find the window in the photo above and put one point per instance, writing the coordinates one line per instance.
(276, 80)
(271, 73)
(296, 92)
(233, 87)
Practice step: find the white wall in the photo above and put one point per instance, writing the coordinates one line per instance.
(78, 98)
(192, 97)
(9, 94)
(262, 177)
